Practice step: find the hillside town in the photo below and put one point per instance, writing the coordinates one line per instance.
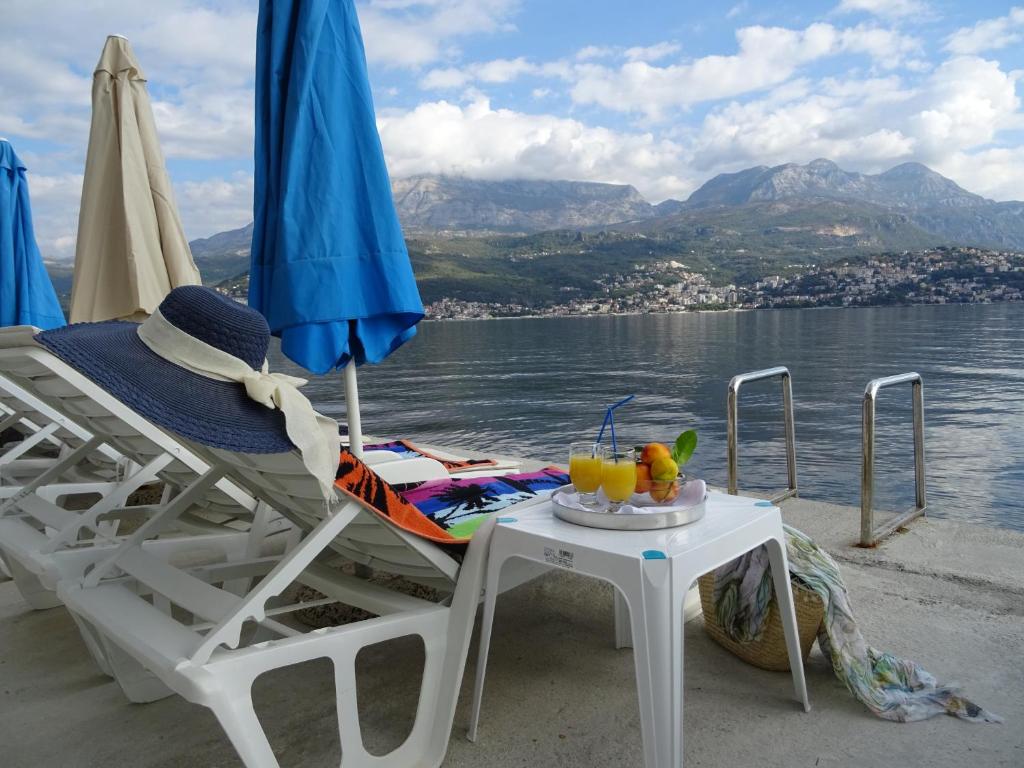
(935, 276)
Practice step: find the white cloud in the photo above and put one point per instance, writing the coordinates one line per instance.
(843, 120)
(988, 34)
(494, 71)
(55, 202)
(207, 124)
(736, 10)
(216, 204)
(446, 78)
(957, 113)
(482, 142)
(503, 70)
(191, 46)
(652, 52)
(969, 101)
(888, 49)
(885, 8)
(206, 207)
(412, 33)
(594, 52)
(997, 173)
(199, 64)
(767, 56)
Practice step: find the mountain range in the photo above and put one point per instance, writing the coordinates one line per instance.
(429, 204)
(513, 239)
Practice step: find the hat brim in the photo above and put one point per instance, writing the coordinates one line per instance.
(215, 413)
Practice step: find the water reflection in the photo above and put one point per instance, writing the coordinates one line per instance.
(528, 387)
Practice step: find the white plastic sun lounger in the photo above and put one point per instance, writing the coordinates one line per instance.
(34, 530)
(205, 658)
(143, 581)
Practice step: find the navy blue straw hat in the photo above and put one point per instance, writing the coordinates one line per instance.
(210, 412)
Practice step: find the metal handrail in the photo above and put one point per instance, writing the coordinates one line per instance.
(869, 535)
(733, 426)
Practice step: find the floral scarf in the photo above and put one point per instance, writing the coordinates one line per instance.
(892, 688)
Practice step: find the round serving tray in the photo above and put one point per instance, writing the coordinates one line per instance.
(648, 521)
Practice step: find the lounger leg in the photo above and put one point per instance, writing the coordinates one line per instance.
(787, 611)
(31, 588)
(94, 643)
(140, 686)
(237, 717)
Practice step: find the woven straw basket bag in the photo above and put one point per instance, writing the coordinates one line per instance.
(770, 651)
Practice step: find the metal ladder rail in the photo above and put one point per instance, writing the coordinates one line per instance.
(869, 535)
(733, 427)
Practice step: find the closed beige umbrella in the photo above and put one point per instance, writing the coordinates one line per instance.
(131, 247)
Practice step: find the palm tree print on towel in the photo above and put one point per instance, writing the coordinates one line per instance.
(451, 502)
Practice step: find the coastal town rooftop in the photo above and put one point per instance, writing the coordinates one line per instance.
(948, 595)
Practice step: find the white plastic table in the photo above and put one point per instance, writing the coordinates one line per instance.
(652, 572)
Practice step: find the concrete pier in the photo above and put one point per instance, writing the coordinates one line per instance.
(948, 595)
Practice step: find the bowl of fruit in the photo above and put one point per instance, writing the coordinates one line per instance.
(659, 474)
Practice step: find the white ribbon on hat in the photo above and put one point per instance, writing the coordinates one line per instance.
(315, 435)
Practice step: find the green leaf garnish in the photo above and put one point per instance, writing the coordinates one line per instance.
(684, 447)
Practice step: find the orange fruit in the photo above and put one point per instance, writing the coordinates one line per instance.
(643, 478)
(664, 492)
(654, 451)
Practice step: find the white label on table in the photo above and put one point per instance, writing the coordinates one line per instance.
(563, 558)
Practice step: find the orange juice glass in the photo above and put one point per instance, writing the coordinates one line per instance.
(618, 476)
(585, 464)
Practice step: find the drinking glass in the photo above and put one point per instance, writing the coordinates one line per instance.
(585, 470)
(618, 476)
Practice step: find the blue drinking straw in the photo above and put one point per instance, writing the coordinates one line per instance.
(604, 424)
(609, 418)
(615, 447)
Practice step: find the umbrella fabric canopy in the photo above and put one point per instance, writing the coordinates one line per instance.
(131, 247)
(330, 270)
(26, 293)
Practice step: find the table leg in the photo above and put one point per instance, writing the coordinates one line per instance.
(787, 612)
(623, 633)
(658, 656)
(494, 563)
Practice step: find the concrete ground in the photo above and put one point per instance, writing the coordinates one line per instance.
(948, 595)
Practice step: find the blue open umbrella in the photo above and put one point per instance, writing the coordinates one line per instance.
(26, 293)
(329, 266)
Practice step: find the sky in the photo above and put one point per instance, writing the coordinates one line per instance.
(660, 95)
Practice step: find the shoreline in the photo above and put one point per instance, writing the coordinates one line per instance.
(728, 310)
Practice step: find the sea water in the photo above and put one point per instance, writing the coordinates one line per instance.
(528, 387)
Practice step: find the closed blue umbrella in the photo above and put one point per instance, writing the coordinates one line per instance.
(329, 266)
(26, 293)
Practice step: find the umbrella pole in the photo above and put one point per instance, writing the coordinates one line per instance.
(355, 426)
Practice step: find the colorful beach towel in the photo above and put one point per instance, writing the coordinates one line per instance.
(409, 451)
(892, 688)
(461, 505)
(444, 511)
